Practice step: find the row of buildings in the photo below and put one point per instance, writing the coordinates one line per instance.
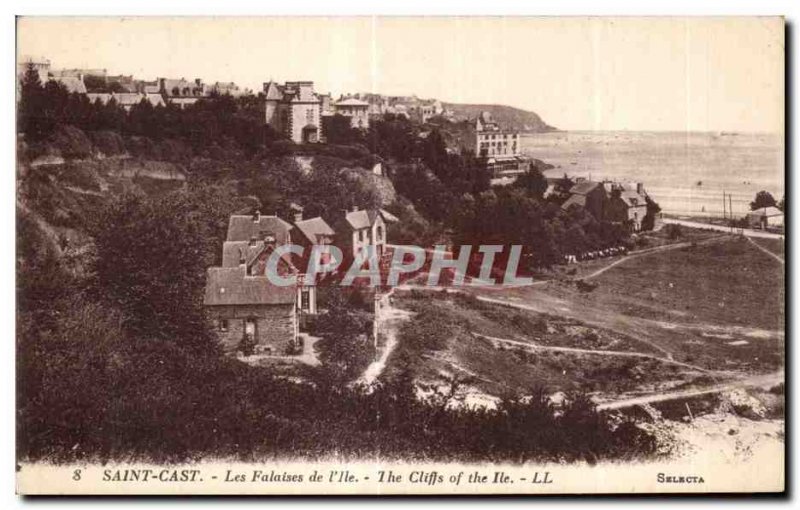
(245, 304)
(126, 90)
(298, 111)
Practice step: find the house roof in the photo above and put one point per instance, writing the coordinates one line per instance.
(633, 199)
(766, 212)
(313, 228)
(122, 98)
(243, 228)
(232, 250)
(231, 286)
(351, 101)
(365, 218)
(155, 99)
(574, 199)
(584, 187)
(72, 84)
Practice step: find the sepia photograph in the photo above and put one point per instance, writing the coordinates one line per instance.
(429, 255)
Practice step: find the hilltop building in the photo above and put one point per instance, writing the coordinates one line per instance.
(355, 109)
(229, 88)
(294, 109)
(499, 147)
(41, 66)
(126, 99)
(181, 92)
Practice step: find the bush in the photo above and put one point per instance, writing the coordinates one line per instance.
(71, 142)
(673, 231)
(108, 143)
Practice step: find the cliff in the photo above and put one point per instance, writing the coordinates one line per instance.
(507, 116)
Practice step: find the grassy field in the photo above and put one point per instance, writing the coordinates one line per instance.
(728, 283)
(776, 246)
(718, 305)
(458, 324)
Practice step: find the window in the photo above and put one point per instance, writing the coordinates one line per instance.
(223, 325)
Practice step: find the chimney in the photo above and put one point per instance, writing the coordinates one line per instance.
(297, 211)
(355, 208)
(257, 216)
(639, 188)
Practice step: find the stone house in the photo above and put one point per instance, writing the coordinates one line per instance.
(590, 195)
(626, 204)
(294, 109)
(241, 299)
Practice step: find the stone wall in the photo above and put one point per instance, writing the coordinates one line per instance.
(275, 326)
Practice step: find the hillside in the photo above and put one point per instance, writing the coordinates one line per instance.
(507, 116)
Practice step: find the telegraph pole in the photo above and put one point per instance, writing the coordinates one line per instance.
(730, 210)
(724, 216)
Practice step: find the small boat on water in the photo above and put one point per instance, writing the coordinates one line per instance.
(699, 183)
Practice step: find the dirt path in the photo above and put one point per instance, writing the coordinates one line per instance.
(757, 380)
(577, 350)
(650, 251)
(745, 231)
(773, 255)
(389, 319)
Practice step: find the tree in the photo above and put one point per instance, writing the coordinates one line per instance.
(152, 255)
(782, 204)
(649, 220)
(561, 189)
(533, 182)
(338, 130)
(762, 199)
(31, 108)
(346, 345)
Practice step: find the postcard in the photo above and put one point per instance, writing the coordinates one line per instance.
(400, 255)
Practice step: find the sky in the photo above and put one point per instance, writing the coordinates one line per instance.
(659, 74)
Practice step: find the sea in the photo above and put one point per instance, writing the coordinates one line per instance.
(685, 172)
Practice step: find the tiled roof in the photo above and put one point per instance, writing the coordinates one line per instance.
(122, 98)
(366, 218)
(360, 219)
(232, 250)
(574, 199)
(155, 99)
(633, 199)
(351, 102)
(72, 84)
(243, 228)
(313, 228)
(766, 212)
(584, 187)
(231, 286)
